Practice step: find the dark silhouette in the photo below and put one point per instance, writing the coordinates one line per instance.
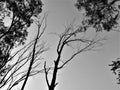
(116, 68)
(21, 13)
(24, 62)
(68, 38)
(39, 34)
(100, 14)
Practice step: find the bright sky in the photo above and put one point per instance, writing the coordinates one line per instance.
(88, 71)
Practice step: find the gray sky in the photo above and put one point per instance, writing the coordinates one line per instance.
(88, 71)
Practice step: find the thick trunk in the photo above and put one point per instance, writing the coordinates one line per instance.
(53, 82)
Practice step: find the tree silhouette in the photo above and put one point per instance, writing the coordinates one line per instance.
(25, 62)
(99, 14)
(67, 39)
(39, 34)
(21, 13)
(102, 15)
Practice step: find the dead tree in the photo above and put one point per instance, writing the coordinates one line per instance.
(68, 38)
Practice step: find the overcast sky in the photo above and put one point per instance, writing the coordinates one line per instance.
(88, 71)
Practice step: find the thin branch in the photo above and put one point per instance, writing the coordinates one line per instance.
(46, 74)
(33, 55)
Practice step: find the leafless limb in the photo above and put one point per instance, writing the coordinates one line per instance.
(34, 49)
(46, 73)
(27, 57)
(67, 38)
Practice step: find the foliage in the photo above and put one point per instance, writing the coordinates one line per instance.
(24, 62)
(100, 14)
(116, 68)
(20, 12)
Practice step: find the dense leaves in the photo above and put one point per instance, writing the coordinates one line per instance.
(100, 14)
(116, 68)
(20, 12)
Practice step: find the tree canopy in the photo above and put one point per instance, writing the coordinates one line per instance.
(20, 12)
(116, 68)
(100, 14)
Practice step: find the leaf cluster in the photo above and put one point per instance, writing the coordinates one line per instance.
(100, 14)
(116, 68)
(20, 12)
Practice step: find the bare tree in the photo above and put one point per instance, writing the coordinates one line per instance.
(71, 36)
(26, 61)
